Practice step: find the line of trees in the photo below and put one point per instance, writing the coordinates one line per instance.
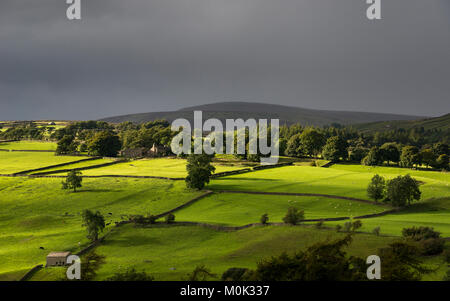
(400, 191)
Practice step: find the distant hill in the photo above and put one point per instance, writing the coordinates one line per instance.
(441, 123)
(245, 110)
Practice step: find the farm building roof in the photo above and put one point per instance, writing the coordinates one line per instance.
(58, 254)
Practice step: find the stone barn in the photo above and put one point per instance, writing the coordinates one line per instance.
(57, 259)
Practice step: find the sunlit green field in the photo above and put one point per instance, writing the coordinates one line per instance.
(342, 180)
(37, 213)
(12, 162)
(241, 209)
(170, 253)
(161, 167)
(433, 213)
(29, 145)
(84, 164)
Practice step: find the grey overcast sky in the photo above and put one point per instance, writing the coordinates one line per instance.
(132, 56)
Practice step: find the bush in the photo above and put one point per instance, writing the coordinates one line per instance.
(319, 224)
(347, 226)
(447, 256)
(447, 276)
(234, 274)
(428, 241)
(432, 246)
(131, 275)
(294, 216)
(356, 225)
(264, 219)
(420, 233)
(338, 228)
(170, 218)
(376, 231)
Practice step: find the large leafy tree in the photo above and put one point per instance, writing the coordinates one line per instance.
(373, 158)
(66, 145)
(428, 157)
(376, 188)
(293, 146)
(311, 141)
(410, 156)
(335, 149)
(390, 152)
(402, 190)
(104, 143)
(325, 261)
(94, 223)
(73, 180)
(199, 170)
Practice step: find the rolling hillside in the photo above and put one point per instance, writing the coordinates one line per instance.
(287, 115)
(437, 123)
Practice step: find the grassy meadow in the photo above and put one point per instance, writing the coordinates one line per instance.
(241, 209)
(84, 164)
(36, 213)
(13, 162)
(160, 167)
(170, 253)
(29, 145)
(342, 180)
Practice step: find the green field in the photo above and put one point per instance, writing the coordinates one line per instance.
(29, 145)
(36, 212)
(169, 253)
(12, 162)
(342, 180)
(433, 213)
(242, 209)
(161, 167)
(76, 165)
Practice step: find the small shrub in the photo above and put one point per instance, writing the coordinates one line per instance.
(376, 231)
(447, 256)
(338, 228)
(234, 274)
(170, 218)
(151, 219)
(200, 273)
(447, 276)
(432, 246)
(131, 275)
(294, 216)
(428, 241)
(347, 226)
(137, 219)
(264, 219)
(420, 233)
(319, 224)
(356, 225)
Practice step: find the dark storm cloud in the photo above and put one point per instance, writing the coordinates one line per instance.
(151, 55)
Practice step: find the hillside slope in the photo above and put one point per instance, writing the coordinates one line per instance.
(286, 115)
(437, 123)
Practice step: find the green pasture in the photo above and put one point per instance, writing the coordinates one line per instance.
(171, 252)
(29, 145)
(342, 180)
(161, 167)
(242, 209)
(37, 213)
(433, 213)
(84, 164)
(12, 162)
